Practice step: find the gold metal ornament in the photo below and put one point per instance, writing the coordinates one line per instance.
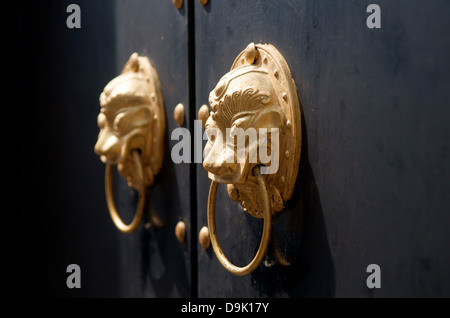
(180, 231)
(132, 124)
(241, 271)
(204, 238)
(178, 114)
(177, 3)
(258, 94)
(203, 114)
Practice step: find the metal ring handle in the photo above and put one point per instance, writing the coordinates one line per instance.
(110, 196)
(241, 271)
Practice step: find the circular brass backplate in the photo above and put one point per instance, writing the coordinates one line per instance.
(267, 57)
(142, 64)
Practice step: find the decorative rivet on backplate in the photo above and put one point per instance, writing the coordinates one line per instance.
(251, 53)
(134, 62)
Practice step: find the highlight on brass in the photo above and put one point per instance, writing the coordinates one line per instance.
(132, 124)
(257, 94)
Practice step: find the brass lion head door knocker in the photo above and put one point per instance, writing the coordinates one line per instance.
(254, 133)
(132, 124)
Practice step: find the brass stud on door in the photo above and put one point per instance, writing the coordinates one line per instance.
(180, 231)
(178, 114)
(203, 114)
(177, 3)
(203, 238)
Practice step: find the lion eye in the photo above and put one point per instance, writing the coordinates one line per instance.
(122, 123)
(212, 133)
(240, 121)
(211, 137)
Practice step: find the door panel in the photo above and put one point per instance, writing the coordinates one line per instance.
(153, 262)
(372, 174)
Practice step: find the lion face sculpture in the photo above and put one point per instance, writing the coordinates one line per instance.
(131, 119)
(241, 127)
(252, 110)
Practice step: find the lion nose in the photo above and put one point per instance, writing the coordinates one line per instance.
(107, 146)
(222, 163)
(221, 169)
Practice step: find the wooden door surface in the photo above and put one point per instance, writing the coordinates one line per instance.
(153, 263)
(68, 70)
(374, 179)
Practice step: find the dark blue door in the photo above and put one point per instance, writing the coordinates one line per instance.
(374, 176)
